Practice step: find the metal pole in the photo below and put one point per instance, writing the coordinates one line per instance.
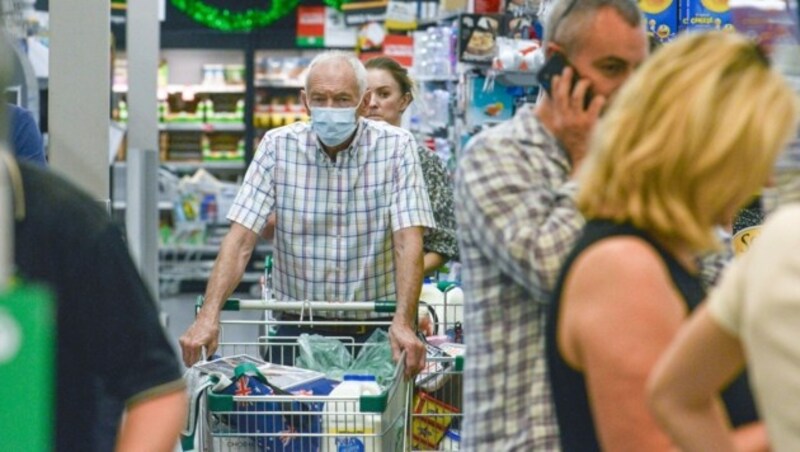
(249, 96)
(80, 92)
(6, 226)
(141, 215)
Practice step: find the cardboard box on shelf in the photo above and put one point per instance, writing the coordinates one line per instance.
(662, 18)
(704, 15)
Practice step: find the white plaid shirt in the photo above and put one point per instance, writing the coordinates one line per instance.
(517, 222)
(334, 220)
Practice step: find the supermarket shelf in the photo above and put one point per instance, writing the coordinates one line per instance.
(279, 83)
(201, 127)
(194, 165)
(162, 205)
(210, 89)
(517, 78)
(208, 249)
(441, 20)
(436, 78)
(183, 167)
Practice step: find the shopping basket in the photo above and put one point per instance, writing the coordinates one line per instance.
(296, 418)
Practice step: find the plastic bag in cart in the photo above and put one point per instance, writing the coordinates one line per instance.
(323, 354)
(375, 358)
(277, 431)
(330, 356)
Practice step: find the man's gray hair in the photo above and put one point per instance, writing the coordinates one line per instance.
(348, 57)
(568, 18)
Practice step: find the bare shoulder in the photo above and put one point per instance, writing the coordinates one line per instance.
(620, 284)
(620, 260)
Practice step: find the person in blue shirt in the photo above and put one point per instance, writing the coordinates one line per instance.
(25, 137)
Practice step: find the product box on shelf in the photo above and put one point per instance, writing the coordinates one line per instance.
(487, 106)
(705, 15)
(662, 18)
(477, 37)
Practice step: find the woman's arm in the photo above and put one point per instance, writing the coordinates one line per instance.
(432, 262)
(619, 312)
(684, 385)
(153, 424)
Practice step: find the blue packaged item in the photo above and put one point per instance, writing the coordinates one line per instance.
(705, 15)
(662, 18)
(276, 423)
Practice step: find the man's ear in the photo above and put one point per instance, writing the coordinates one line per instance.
(362, 107)
(304, 100)
(551, 48)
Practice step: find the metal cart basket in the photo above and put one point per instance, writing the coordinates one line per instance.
(436, 400)
(290, 420)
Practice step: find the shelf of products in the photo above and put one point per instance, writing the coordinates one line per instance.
(279, 83)
(162, 205)
(122, 88)
(201, 127)
(189, 167)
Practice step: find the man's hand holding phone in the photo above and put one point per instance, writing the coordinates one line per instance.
(573, 108)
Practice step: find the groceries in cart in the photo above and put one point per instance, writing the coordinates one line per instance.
(281, 376)
(266, 415)
(344, 418)
(438, 365)
(332, 357)
(431, 422)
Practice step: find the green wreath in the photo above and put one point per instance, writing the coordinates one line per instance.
(226, 20)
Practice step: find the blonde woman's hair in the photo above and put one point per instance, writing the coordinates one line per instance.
(691, 136)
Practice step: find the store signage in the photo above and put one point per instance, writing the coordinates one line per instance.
(310, 26)
(487, 6)
(398, 47)
(401, 48)
(401, 15)
(360, 13)
(337, 33)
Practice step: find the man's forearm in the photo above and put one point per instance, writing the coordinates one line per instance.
(408, 272)
(228, 269)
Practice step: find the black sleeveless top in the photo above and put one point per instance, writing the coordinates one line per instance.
(575, 423)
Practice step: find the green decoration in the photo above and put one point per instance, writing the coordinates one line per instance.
(226, 20)
(336, 3)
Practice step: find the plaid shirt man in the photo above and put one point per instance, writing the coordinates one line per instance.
(334, 219)
(517, 222)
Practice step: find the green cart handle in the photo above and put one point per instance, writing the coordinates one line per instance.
(235, 304)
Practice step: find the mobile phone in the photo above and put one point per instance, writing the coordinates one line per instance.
(555, 65)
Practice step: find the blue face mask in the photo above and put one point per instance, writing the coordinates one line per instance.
(333, 126)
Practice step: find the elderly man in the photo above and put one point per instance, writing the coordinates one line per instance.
(517, 222)
(350, 206)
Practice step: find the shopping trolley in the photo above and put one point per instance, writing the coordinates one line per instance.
(437, 398)
(290, 420)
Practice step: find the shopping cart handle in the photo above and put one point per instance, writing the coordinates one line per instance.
(232, 304)
(386, 306)
(236, 304)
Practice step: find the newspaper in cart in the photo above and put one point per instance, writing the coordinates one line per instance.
(281, 376)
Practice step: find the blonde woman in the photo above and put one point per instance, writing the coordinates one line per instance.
(689, 139)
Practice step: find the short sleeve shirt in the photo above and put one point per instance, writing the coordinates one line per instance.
(758, 301)
(334, 218)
